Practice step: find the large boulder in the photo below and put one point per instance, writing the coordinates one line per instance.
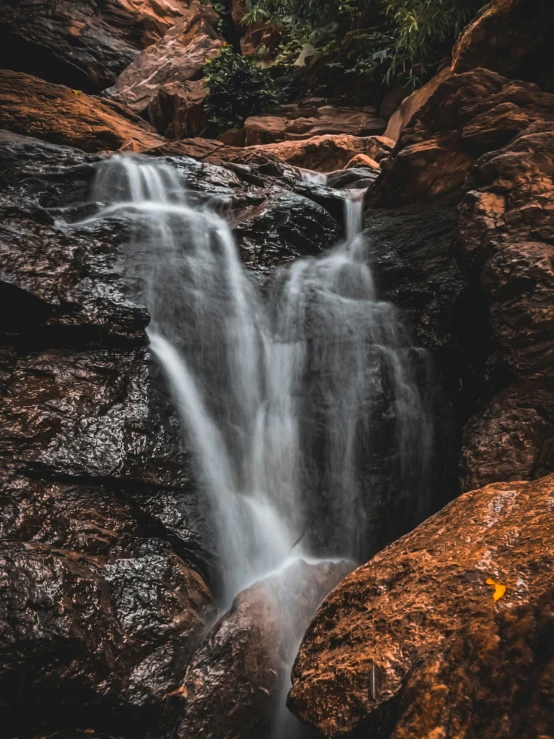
(511, 37)
(237, 675)
(179, 57)
(468, 115)
(84, 44)
(461, 606)
(310, 118)
(30, 106)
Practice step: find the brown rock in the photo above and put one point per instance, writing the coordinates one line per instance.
(177, 111)
(83, 43)
(505, 231)
(362, 160)
(237, 674)
(396, 624)
(414, 102)
(254, 36)
(179, 57)
(511, 37)
(32, 107)
(308, 119)
(468, 115)
(326, 153)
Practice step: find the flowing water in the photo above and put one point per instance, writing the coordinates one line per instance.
(279, 394)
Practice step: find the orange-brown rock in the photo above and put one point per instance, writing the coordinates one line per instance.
(362, 160)
(326, 153)
(468, 115)
(505, 236)
(450, 627)
(254, 36)
(83, 43)
(32, 107)
(311, 118)
(179, 57)
(512, 37)
(238, 672)
(178, 111)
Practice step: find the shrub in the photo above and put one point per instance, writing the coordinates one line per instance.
(237, 89)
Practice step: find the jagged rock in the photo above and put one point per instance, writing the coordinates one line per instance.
(468, 115)
(326, 153)
(84, 44)
(384, 652)
(237, 674)
(511, 37)
(283, 227)
(505, 231)
(362, 160)
(309, 118)
(83, 637)
(179, 57)
(30, 106)
(178, 111)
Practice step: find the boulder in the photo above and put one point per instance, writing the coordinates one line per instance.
(177, 111)
(179, 57)
(468, 115)
(362, 160)
(511, 37)
(311, 118)
(57, 114)
(237, 675)
(388, 652)
(505, 230)
(84, 44)
(326, 153)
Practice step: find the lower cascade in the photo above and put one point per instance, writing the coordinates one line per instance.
(284, 389)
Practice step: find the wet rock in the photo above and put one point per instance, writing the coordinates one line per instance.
(399, 623)
(236, 676)
(304, 120)
(505, 244)
(87, 641)
(511, 37)
(179, 57)
(84, 44)
(468, 115)
(32, 107)
(284, 226)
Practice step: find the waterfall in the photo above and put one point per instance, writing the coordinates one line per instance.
(241, 368)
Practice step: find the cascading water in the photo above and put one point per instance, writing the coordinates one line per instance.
(276, 393)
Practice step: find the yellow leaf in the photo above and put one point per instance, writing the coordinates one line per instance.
(77, 92)
(499, 589)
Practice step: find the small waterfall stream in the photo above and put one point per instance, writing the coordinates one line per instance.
(240, 364)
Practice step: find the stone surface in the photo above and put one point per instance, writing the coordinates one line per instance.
(179, 57)
(177, 111)
(30, 106)
(238, 673)
(468, 115)
(504, 242)
(84, 44)
(374, 654)
(511, 37)
(309, 118)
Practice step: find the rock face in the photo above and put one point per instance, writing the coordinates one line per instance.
(177, 111)
(179, 57)
(84, 44)
(310, 118)
(511, 37)
(28, 105)
(390, 647)
(468, 115)
(238, 673)
(103, 532)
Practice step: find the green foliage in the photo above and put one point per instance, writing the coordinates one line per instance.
(237, 89)
(397, 38)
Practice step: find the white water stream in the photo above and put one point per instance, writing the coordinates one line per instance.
(238, 364)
